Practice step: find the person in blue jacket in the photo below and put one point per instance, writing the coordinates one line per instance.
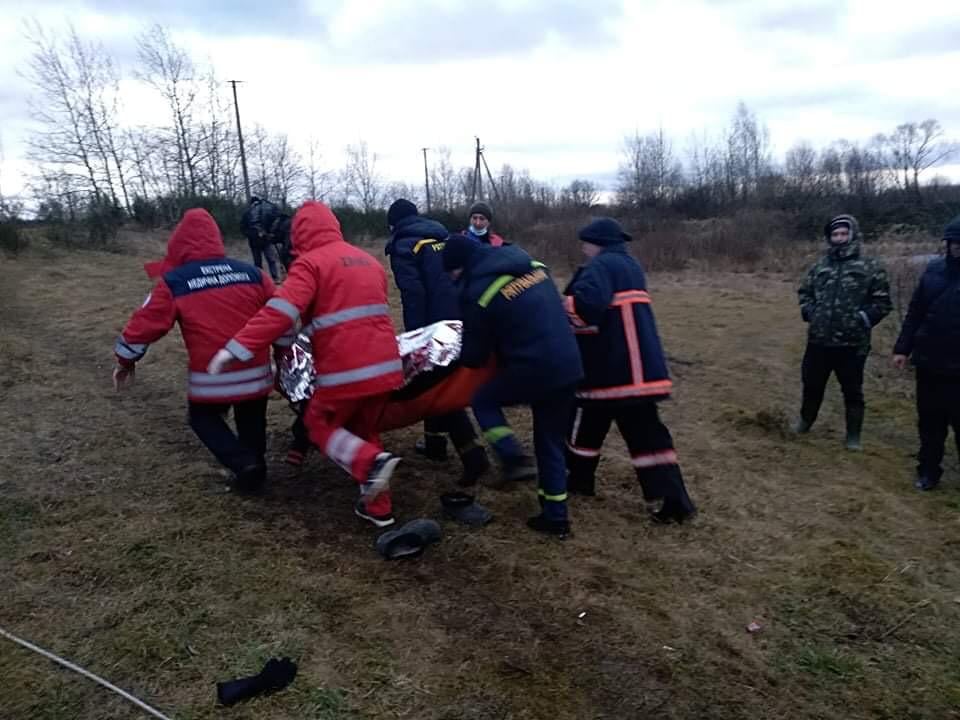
(625, 373)
(511, 309)
(427, 295)
(931, 338)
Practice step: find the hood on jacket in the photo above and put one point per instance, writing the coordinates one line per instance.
(196, 237)
(487, 261)
(416, 226)
(849, 249)
(314, 226)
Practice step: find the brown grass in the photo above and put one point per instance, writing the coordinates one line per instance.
(120, 550)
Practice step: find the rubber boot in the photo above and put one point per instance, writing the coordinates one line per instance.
(475, 466)
(854, 426)
(432, 446)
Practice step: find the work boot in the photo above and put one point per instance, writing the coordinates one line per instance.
(543, 524)
(251, 479)
(800, 426)
(475, 465)
(520, 468)
(854, 426)
(673, 511)
(577, 485)
(432, 447)
(925, 483)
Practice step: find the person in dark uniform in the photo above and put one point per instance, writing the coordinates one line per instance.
(625, 373)
(511, 309)
(931, 338)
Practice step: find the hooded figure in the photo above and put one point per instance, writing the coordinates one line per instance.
(843, 297)
(337, 293)
(931, 338)
(211, 297)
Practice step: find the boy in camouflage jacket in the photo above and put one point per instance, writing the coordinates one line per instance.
(842, 298)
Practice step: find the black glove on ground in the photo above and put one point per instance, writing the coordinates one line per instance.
(276, 675)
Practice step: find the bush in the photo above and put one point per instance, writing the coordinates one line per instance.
(12, 240)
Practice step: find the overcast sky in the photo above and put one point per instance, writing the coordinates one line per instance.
(549, 85)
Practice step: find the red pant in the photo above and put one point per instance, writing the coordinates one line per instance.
(354, 450)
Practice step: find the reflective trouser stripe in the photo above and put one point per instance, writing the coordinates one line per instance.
(342, 448)
(666, 457)
(552, 498)
(497, 433)
(358, 374)
(582, 452)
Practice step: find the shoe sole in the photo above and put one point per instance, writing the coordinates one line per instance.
(382, 481)
(373, 520)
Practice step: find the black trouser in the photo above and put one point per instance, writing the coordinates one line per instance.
(238, 451)
(938, 409)
(259, 250)
(301, 436)
(457, 425)
(648, 440)
(819, 362)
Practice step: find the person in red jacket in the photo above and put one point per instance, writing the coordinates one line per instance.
(339, 294)
(211, 296)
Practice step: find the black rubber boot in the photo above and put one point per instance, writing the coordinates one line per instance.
(433, 447)
(521, 468)
(542, 524)
(251, 480)
(475, 466)
(854, 427)
(585, 486)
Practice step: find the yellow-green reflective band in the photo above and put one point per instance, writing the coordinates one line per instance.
(537, 264)
(497, 433)
(495, 287)
(419, 245)
(552, 498)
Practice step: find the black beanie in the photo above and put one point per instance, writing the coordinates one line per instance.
(399, 210)
(457, 251)
(603, 232)
(838, 222)
(481, 208)
(951, 233)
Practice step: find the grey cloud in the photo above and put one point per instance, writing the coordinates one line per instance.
(472, 31)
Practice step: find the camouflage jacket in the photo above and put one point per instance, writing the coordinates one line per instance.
(844, 296)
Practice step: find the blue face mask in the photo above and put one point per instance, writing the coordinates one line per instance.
(478, 232)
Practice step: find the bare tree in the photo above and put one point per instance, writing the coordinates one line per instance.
(319, 183)
(748, 159)
(168, 68)
(61, 144)
(913, 148)
(444, 183)
(580, 194)
(650, 172)
(362, 182)
(285, 166)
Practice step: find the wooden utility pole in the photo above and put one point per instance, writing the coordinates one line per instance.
(243, 154)
(426, 177)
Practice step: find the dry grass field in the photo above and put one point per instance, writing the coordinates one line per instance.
(121, 549)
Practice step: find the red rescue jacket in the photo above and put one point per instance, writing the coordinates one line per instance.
(338, 294)
(211, 296)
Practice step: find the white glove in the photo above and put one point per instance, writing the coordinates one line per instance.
(220, 361)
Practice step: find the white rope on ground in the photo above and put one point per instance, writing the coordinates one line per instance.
(77, 669)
